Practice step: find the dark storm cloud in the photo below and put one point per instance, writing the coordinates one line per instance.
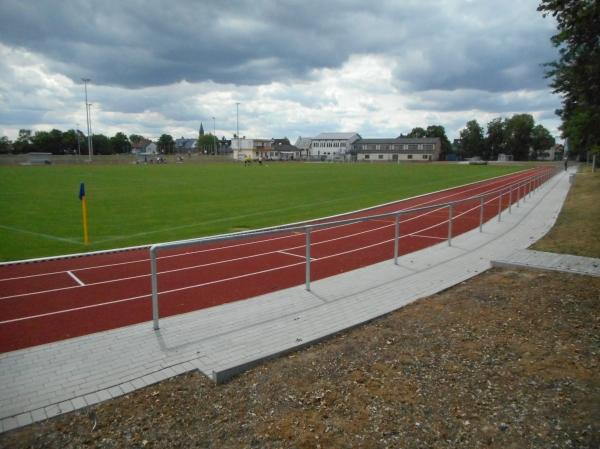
(155, 42)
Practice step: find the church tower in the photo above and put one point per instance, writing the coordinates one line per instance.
(201, 130)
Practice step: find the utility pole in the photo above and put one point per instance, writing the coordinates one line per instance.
(88, 119)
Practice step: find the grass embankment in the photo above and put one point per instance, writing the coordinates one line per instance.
(142, 204)
(577, 229)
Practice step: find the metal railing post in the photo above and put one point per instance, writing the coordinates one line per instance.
(308, 258)
(154, 287)
(396, 238)
(500, 207)
(450, 213)
(481, 214)
(510, 200)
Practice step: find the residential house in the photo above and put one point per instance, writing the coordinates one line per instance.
(282, 150)
(183, 145)
(244, 149)
(303, 143)
(397, 149)
(332, 146)
(139, 146)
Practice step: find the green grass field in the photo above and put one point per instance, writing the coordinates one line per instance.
(133, 205)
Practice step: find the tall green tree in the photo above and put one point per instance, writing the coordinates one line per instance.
(166, 144)
(48, 142)
(471, 137)
(519, 129)
(495, 139)
(417, 132)
(208, 143)
(119, 143)
(541, 141)
(5, 145)
(101, 144)
(440, 131)
(576, 74)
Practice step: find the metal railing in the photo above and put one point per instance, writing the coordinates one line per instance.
(519, 190)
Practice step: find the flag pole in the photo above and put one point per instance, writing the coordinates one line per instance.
(86, 239)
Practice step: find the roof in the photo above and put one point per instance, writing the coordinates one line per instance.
(400, 140)
(335, 136)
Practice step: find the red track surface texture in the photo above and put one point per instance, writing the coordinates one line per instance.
(55, 299)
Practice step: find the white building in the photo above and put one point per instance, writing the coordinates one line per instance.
(250, 148)
(332, 146)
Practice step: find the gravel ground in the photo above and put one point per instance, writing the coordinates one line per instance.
(510, 359)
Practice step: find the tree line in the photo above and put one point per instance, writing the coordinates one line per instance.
(517, 136)
(575, 76)
(68, 142)
(75, 142)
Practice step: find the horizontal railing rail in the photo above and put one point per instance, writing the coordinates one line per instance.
(518, 190)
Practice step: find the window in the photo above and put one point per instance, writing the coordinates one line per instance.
(428, 146)
(425, 156)
(381, 156)
(367, 156)
(405, 146)
(409, 156)
(420, 146)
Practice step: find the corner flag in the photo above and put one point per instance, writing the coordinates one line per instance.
(86, 239)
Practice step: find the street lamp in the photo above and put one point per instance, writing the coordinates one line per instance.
(88, 119)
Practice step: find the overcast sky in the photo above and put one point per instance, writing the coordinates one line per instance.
(297, 68)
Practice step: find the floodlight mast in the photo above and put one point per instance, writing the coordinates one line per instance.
(88, 119)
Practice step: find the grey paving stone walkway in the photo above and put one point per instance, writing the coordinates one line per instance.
(539, 260)
(47, 380)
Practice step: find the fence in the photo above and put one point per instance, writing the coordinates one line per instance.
(512, 194)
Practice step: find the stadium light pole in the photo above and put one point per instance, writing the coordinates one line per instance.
(88, 118)
(90, 135)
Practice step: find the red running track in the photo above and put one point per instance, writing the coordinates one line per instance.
(55, 299)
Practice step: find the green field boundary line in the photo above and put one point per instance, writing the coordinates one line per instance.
(235, 234)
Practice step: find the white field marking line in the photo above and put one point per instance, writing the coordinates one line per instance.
(75, 278)
(221, 248)
(39, 234)
(20, 295)
(223, 280)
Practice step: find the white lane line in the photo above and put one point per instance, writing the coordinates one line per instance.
(227, 279)
(295, 255)
(75, 278)
(429, 237)
(293, 234)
